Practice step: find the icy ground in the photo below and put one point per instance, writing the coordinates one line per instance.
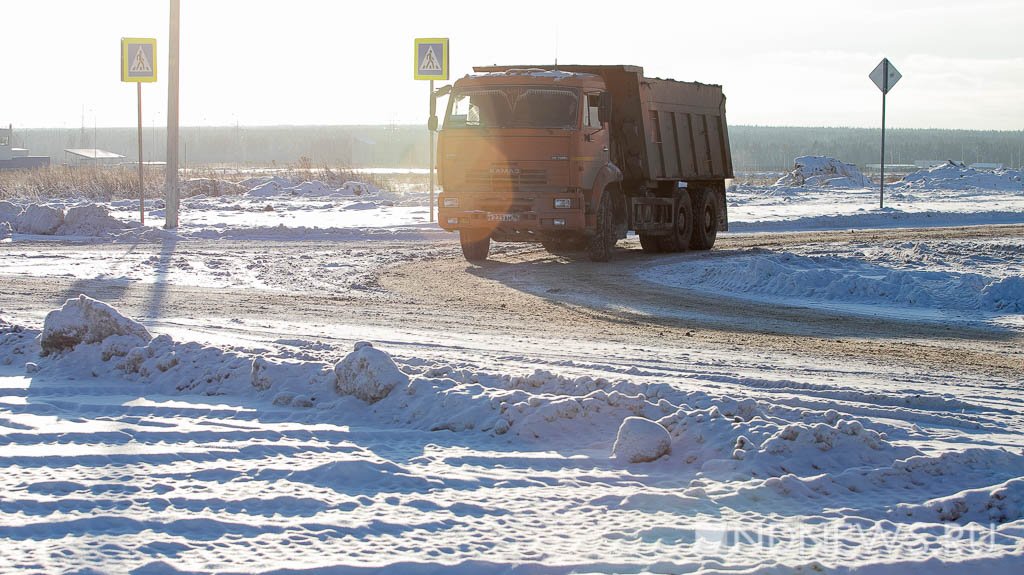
(136, 447)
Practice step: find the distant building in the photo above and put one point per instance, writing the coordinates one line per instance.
(12, 158)
(91, 157)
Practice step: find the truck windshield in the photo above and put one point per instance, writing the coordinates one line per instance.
(512, 107)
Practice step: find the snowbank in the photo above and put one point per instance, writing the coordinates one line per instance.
(90, 220)
(917, 280)
(635, 423)
(823, 172)
(954, 176)
(278, 186)
(85, 320)
(996, 504)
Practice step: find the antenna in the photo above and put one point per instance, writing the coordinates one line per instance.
(556, 47)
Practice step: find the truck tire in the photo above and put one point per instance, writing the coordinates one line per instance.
(650, 244)
(475, 245)
(680, 238)
(599, 248)
(705, 229)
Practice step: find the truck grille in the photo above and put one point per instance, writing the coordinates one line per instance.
(506, 178)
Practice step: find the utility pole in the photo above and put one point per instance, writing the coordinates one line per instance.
(171, 221)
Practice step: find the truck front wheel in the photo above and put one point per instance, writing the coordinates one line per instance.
(475, 244)
(705, 229)
(601, 243)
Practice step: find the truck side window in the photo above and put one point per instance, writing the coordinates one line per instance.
(591, 118)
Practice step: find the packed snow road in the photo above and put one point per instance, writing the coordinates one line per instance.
(424, 288)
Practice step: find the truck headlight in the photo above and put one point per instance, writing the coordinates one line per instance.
(453, 221)
(451, 202)
(563, 203)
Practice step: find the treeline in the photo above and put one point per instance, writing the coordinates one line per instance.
(754, 148)
(773, 148)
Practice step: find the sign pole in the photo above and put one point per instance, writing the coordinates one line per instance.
(432, 125)
(881, 179)
(142, 187)
(431, 63)
(885, 76)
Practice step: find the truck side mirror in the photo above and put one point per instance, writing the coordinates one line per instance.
(604, 107)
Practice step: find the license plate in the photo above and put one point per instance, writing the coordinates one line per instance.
(503, 217)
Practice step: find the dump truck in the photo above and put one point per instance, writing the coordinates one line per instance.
(574, 157)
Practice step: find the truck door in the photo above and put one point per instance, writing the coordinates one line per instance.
(592, 146)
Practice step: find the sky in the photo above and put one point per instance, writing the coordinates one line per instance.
(258, 62)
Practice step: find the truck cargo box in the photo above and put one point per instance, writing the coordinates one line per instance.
(661, 129)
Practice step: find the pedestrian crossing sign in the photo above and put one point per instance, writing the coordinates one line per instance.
(138, 59)
(431, 59)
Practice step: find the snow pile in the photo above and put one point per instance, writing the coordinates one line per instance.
(277, 186)
(90, 220)
(9, 213)
(641, 440)
(954, 176)
(264, 186)
(40, 220)
(850, 281)
(742, 439)
(85, 320)
(823, 172)
(368, 373)
(986, 505)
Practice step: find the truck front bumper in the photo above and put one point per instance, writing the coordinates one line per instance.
(535, 219)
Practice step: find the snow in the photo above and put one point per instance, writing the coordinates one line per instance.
(822, 171)
(953, 176)
(40, 220)
(85, 320)
(641, 440)
(368, 374)
(950, 281)
(201, 444)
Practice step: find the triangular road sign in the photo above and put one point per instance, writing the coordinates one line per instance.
(430, 62)
(140, 64)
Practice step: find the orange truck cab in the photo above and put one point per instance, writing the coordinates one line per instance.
(575, 157)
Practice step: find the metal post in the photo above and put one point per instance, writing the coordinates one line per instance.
(881, 179)
(142, 185)
(431, 127)
(171, 222)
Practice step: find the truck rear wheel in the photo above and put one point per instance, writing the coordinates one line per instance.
(650, 244)
(705, 230)
(680, 238)
(475, 245)
(599, 248)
